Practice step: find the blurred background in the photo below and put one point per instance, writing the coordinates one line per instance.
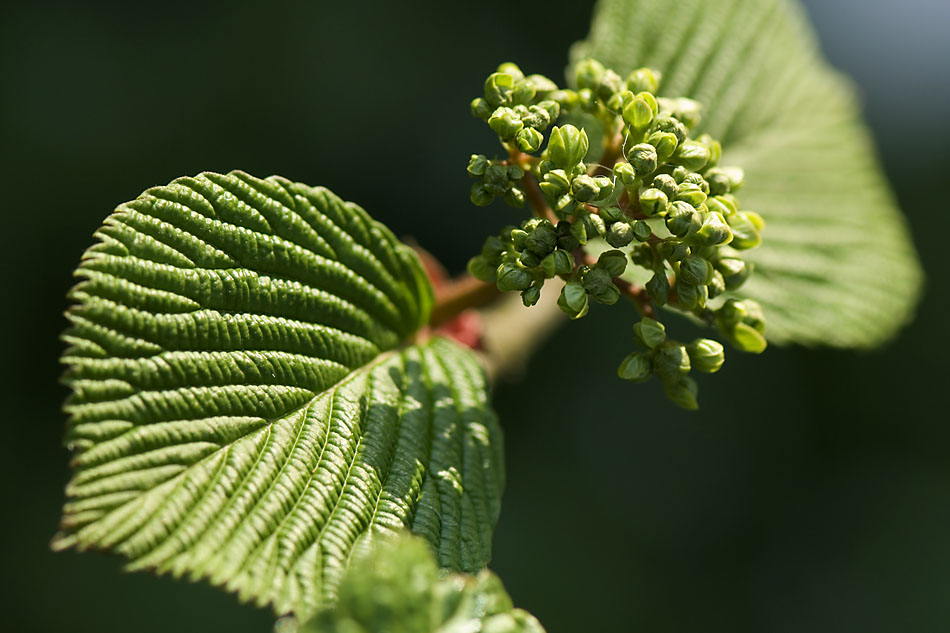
(812, 492)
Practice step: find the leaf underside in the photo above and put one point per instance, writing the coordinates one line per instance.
(240, 410)
(836, 266)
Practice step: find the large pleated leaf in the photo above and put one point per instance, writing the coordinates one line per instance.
(837, 266)
(241, 410)
(394, 586)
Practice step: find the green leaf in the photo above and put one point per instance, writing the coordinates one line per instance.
(393, 585)
(836, 265)
(240, 410)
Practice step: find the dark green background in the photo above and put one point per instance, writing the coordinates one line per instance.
(812, 492)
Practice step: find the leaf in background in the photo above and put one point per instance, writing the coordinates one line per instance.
(393, 585)
(836, 266)
(239, 412)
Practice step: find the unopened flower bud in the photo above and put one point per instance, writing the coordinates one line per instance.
(480, 268)
(513, 277)
(689, 296)
(642, 230)
(528, 140)
(529, 259)
(734, 272)
(691, 155)
(567, 146)
(649, 333)
(505, 123)
(498, 89)
(613, 261)
(626, 173)
(659, 287)
(542, 240)
(672, 126)
(716, 285)
(665, 144)
(643, 158)
(596, 280)
(638, 114)
(714, 231)
(706, 355)
(611, 214)
(695, 270)
(643, 80)
(636, 367)
(530, 296)
(589, 73)
(654, 202)
(620, 234)
(514, 197)
(477, 165)
(679, 218)
(744, 232)
(480, 195)
(682, 392)
(573, 300)
(584, 188)
(480, 108)
(690, 193)
(666, 184)
(671, 361)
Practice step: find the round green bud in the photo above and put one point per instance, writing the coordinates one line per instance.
(733, 175)
(643, 158)
(567, 99)
(514, 197)
(613, 261)
(718, 183)
(573, 300)
(589, 73)
(659, 287)
(563, 262)
(672, 126)
(651, 101)
(636, 367)
(680, 174)
(558, 178)
(626, 173)
(689, 296)
(565, 238)
(611, 214)
(515, 172)
(542, 240)
(498, 89)
(537, 118)
(620, 234)
(542, 84)
(697, 179)
(529, 140)
(552, 108)
(567, 146)
(594, 225)
(679, 219)
(518, 238)
(547, 266)
(579, 231)
(642, 230)
(665, 144)
(530, 296)
(511, 68)
(713, 232)
(606, 187)
(480, 108)
(706, 355)
(513, 277)
(744, 232)
(609, 85)
(505, 123)
(597, 279)
(638, 114)
(686, 110)
(608, 295)
(496, 177)
(666, 184)
(480, 268)
(585, 188)
(691, 155)
(671, 361)
(643, 80)
(654, 202)
(523, 93)
(480, 195)
(564, 206)
(691, 193)
(587, 100)
(734, 271)
(649, 333)
(529, 259)
(477, 165)
(492, 249)
(715, 149)
(746, 338)
(682, 392)
(716, 285)
(695, 270)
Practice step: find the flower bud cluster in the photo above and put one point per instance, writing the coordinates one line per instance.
(653, 192)
(670, 361)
